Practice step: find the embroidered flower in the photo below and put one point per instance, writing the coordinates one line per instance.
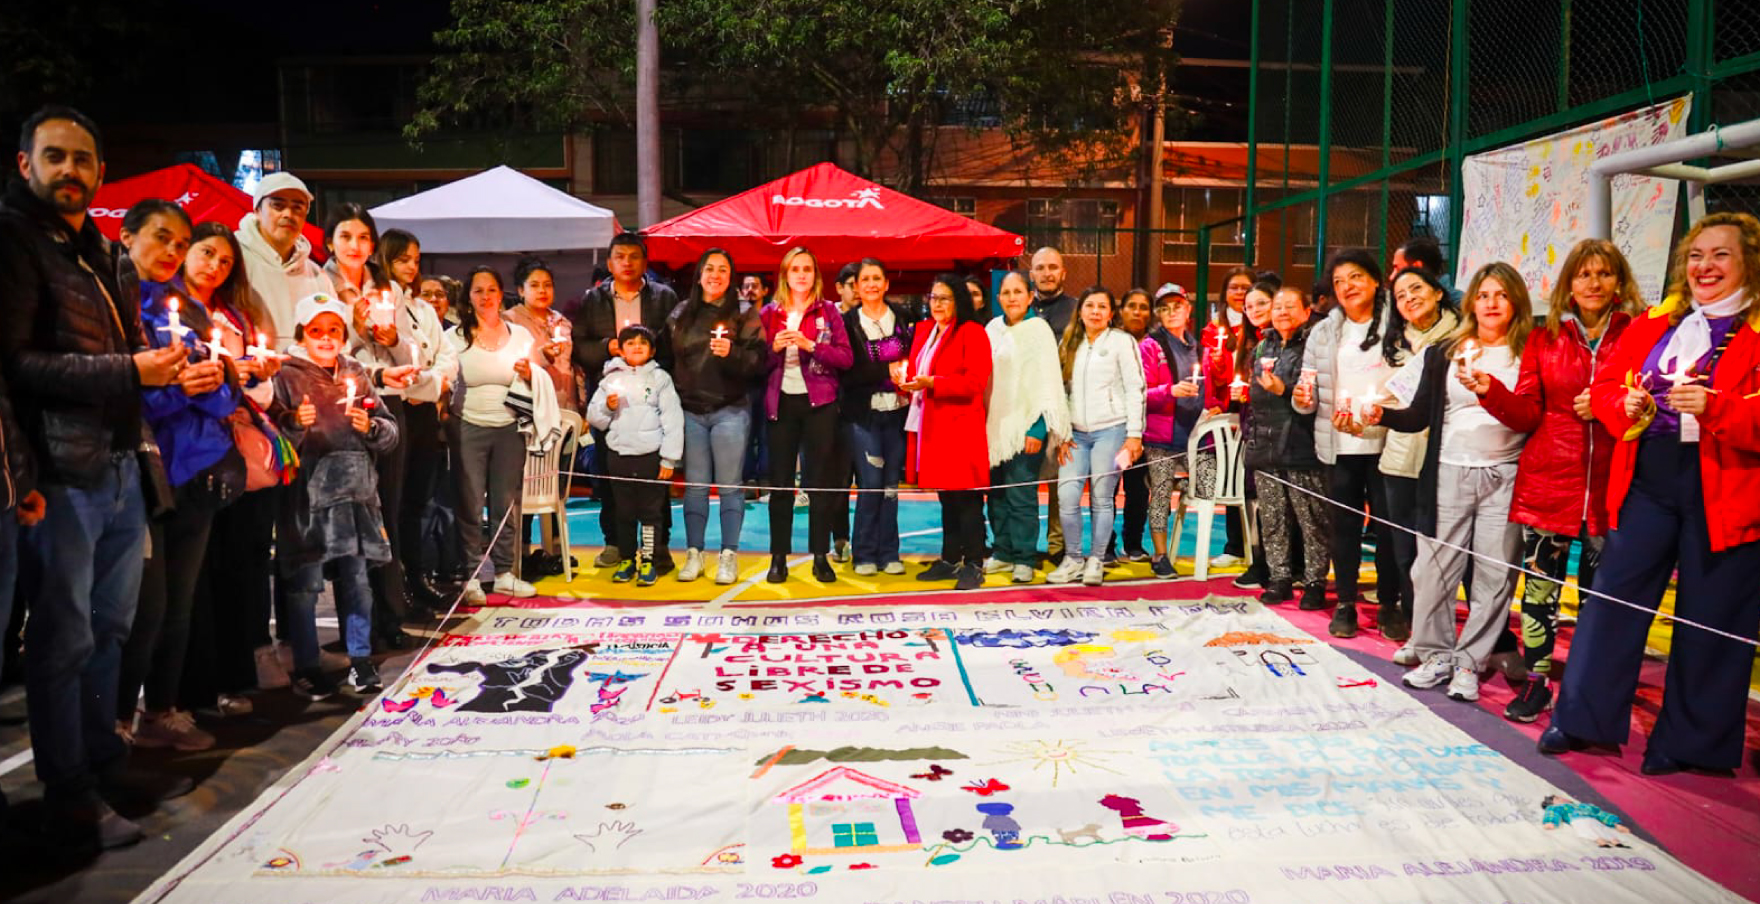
(957, 836)
(785, 861)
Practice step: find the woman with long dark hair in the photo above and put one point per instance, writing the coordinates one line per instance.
(874, 413)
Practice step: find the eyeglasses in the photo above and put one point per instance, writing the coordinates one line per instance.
(432, 293)
(941, 296)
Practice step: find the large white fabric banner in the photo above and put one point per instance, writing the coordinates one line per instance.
(1527, 204)
(1181, 753)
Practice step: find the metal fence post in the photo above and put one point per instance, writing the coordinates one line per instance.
(1251, 233)
(1386, 119)
(1457, 122)
(1201, 288)
(1325, 126)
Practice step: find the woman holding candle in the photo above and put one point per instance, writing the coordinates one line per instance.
(490, 459)
(1135, 316)
(1026, 413)
(1346, 353)
(1174, 402)
(1561, 490)
(190, 421)
(719, 354)
(1103, 371)
(808, 349)
(874, 413)
(1422, 314)
(1681, 391)
(1467, 481)
(1280, 450)
(1228, 380)
(536, 312)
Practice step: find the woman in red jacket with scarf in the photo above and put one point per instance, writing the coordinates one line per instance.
(1681, 391)
(1561, 483)
(948, 372)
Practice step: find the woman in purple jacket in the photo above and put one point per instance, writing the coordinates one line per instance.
(808, 349)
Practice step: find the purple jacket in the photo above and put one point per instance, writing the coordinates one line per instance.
(819, 367)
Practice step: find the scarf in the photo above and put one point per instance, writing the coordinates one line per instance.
(1691, 342)
(914, 420)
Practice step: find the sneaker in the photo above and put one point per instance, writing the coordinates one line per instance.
(840, 551)
(514, 587)
(1109, 559)
(608, 557)
(1406, 655)
(971, 577)
(1314, 597)
(363, 677)
(693, 565)
(270, 673)
(313, 684)
(173, 728)
(473, 593)
(1464, 685)
(1095, 571)
(727, 567)
(229, 705)
(894, 567)
(1394, 624)
(1024, 574)
(866, 569)
(1535, 698)
(1066, 571)
(626, 572)
(1136, 555)
(1344, 621)
(994, 565)
(647, 574)
(1278, 592)
(1256, 575)
(1435, 670)
(938, 570)
(1224, 561)
(1161, 567)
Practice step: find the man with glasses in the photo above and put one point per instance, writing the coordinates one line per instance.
(277, 258)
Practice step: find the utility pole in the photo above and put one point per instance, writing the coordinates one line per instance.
(648, 170)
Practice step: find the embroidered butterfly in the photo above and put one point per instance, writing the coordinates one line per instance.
(936, 773)
(441, 701)
(398, 706)
(985, 788)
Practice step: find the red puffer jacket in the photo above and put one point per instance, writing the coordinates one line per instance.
(1561, 483)
(1729, 430)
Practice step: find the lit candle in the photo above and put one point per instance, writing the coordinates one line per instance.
(173, 323)
(720, 331)
(381, 309)
(1344, 402)
(348, 383)
(1266, 365)
(215, 348)
(261, 349)
(1466, 353)
(1238, 387)
(1197, 373)
(558, 334)
(1307, 378)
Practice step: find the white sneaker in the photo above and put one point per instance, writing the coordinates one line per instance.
(1225, 561)
(894, 567)
(994, 565)
(693, 565)
(271, 673)
(866, 570)
(1435, 670)
(1024, 574)
(1464, 685)
(1067, 570)
(514, 587)
(727, 567)
(840, 551)
(1406, 655)
(1095, 572)
(473, 592)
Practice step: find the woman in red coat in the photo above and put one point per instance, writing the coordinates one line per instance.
(1561, 483)
(947, 373)
(1681, 391)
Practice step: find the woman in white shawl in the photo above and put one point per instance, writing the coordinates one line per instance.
(1028, 413)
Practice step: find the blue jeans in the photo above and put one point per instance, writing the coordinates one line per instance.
(1093, 454)
(876, 448)
(354, 608)
(89, 550)
(714, 452)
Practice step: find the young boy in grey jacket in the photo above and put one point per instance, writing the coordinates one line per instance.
(637, 407)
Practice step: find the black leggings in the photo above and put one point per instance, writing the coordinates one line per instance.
(962, 527)
(154, 653)
(231, 615)
(1352, 482)
(799, 425)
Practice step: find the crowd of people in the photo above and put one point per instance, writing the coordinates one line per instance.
(203, 426)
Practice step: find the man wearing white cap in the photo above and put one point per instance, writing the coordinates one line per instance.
(277, 258)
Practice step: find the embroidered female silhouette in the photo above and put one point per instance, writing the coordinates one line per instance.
(1137, 825)
(532, 683)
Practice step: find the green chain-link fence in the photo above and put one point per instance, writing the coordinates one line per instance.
(1362, 110)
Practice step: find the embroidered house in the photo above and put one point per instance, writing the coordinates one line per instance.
(843, 811)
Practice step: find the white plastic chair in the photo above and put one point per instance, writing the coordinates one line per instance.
(1223, 434)
(546, 492)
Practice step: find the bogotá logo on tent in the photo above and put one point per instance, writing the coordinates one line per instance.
(866, 197)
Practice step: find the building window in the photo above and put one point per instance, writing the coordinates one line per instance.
(854, 834)
(965, 207)
(614, 163)
(1074, 226)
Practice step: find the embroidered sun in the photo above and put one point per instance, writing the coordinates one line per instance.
(1060, 756)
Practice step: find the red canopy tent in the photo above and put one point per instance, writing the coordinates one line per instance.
(840, 217)
(201, 195)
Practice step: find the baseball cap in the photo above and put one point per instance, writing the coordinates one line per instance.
(1170, 289)
(275, 182)
(317, 303)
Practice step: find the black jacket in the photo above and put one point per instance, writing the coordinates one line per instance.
(1278, 436)
(706, 383)
(1057, 311)
(18, 473)
(67, 336)
(595, 325)
(871, 371)
(1426, 412)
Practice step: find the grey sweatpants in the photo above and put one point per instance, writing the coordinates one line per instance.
(1472, 511)
(491, 468)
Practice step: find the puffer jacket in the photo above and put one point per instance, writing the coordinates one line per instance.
(1169, 418)
(18, 470)
(1561, 483)
(1279, 436)
(1403, 453)
(705, 382)
(67, 336)
(331, 510)
(1322, 355)
(648, 416)
(193, 432)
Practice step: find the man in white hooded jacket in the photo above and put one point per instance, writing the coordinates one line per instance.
(277, 258)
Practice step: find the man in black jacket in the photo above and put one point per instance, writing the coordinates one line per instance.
(73, 355)
(626, 299)
(1057, 307)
